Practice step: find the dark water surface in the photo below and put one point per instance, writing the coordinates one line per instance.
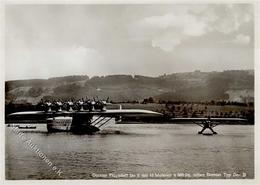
(121, 150)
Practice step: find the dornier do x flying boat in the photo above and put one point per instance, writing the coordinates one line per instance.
(83, 116)
(88, 116)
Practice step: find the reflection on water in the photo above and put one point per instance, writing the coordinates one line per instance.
(132, 149)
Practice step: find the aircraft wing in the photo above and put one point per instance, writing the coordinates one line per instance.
(106, 112)
(120, 112)
(39, 116)
(190, 120)
(228, 119)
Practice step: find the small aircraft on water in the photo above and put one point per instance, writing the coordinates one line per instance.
(88, 116)
(208, 122)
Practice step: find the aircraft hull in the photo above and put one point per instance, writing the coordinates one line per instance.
(59, 124)
(67, 124)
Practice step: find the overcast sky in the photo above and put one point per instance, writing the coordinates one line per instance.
(44, 41)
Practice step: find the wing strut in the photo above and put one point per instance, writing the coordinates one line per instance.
(200, 124)
(100, 121)
(97, 120)
(106, 121)
(207, 125)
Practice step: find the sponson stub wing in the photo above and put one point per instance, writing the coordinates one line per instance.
(192, 120)
(27, 113)
(35, 117)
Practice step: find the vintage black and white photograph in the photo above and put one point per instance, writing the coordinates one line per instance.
(129, 91)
